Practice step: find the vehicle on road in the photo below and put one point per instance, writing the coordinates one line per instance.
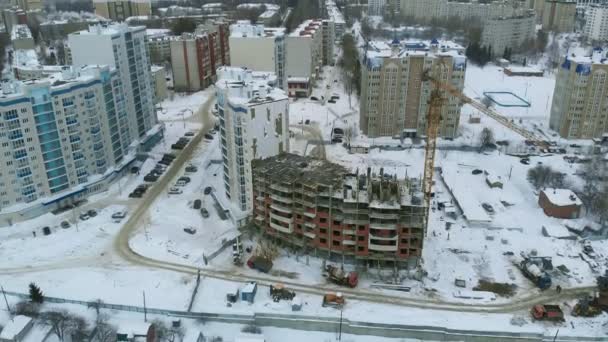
(190, 230)
(175, 191)
(279, 291)
(487, 207)
(334, 300)
(260, 263)
(197, 204)
(205, 213)
(547, 312)
(207, 190)
(208, 136)
(338, 276)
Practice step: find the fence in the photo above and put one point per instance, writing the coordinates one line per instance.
(331, 324)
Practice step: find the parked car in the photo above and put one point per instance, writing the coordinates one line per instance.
(175, 191)
(331, 101)
(477, 172)
(184, 178)
(487, 207)
(119, 215)
(150, 178)
(181, 183)
(84, 216)
(314, 98)
(189, 134)
(134, 169)
(169, 156)
(204, 212)
(46, 230)
(190, 230)
(197, 204)
(136, 194)
(208, 136)
(208, 190)
(92, 212)
(65, 224)
(191, 169)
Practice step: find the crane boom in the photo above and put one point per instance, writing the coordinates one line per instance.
(487, 111)
(432, 131)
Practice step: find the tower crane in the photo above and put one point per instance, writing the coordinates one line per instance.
(436, 102)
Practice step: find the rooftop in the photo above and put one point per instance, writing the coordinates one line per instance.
(20, 32)
(247, 87)
(244, 29)
(14, 327)
(401, 49)
(306, 29)
(109, 29)
(562, 197)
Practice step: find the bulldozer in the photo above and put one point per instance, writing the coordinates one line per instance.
(278, 292)
(586, 307)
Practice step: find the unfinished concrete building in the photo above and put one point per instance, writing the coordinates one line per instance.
(320, 207)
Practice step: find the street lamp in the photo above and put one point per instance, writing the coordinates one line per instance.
(183, 114)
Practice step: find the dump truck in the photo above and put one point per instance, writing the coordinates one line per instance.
(533, 272)
(260, 263)
(335, 300)
(547, 312)
(278, 292)
(337, 276)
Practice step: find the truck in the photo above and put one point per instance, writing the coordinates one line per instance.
(547, 312)
(335, 300)
(260, 263)
(278, 292)
(337, 276)
(533, 272)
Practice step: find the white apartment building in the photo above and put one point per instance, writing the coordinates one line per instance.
(61, 138)
(124, 48)
(304, 57)
(329, 39)
(434, 9)
(259, 48)
(254, 124)
(580, 109)
(596, 25)
(508, 32)
(375, 7)
(394, 99)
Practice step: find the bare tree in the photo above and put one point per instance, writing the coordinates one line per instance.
(486, 101)
(486, 138)
(349, 134)
(64, 324)
(27, 308)
(544, 176)
(104, 331)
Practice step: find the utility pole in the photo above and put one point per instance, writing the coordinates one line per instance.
(8, 308)
(145, 311)
(555, 337)
(340, 331)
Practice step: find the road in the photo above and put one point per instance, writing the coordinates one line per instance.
(121, 252)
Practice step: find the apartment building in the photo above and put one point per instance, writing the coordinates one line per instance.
(508, 32)
(29, 5)
(304, 57)
(159, 45)
(596, 25)
(580, 109)
(21, 38)
(124, 48)
(333, 13)
(559, 15)
(375, 7)
(119, 10)
(254, 124)
(13, 16)
(321, 207)
(329, 39)
(159, 83)
(427, 10)
(259, 48)
(196, 56)
(61, 138)
(394, 98)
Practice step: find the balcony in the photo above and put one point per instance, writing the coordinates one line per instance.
(387, 216)
(310, 235)
(310, 224)
(281, 228)
(383, 238)
(391, 226)
(348, 232)
(280, 218)
(348, 242)
(281, 198)
(279, 187)
(280, 208)
(382, 248)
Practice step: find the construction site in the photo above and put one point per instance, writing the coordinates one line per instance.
(321, 208)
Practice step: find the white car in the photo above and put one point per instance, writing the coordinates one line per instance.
(119, 215)
(180, 183)
(175, 191)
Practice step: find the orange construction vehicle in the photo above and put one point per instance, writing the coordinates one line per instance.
(338, 276)
(335, 300)
(547, 313)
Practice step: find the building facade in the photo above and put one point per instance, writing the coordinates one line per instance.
(304, 57)
(259, 48)
(254, 123)
(317, 206)
(159, 83)
(196, 56)
(427, 10)
(394, 98)
(61, 138)
(334, 14)
(119, 10)
(21, 38)
(508, 32)
(596, 24)
(124, 48)
(559, 15)
(159, 46)
(329, 39)
(580, 106)
(375, 7)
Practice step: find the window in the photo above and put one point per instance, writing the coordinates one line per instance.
(336, 233)
(360, 249)
(323, 231)
(336, 223)
(336, 243)
(361, 228)
(322, 240)
(323, 220)
(361, 238)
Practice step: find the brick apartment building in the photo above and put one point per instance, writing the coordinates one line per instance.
(320, 207)
(196, 56)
